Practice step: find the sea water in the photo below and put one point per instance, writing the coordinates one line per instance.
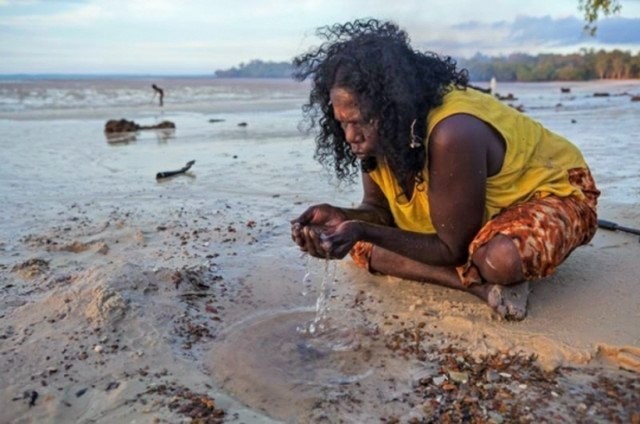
(50, 123)
(49, 96)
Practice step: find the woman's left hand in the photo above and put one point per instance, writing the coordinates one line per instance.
(340, 240)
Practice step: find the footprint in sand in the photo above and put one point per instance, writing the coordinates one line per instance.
(626, 357)
(31, 267)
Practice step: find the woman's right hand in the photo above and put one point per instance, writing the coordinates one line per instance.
(308, 228)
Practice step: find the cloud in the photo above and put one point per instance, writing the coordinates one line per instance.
(546, 31)
(619, 31)
(568, 31)
(79, 15)
(532, 35)
(177, 36)
(17, 2)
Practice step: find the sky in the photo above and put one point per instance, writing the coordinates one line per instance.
(191, 37)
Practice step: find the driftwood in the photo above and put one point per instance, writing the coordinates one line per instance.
(167, 174)
(123, 125)
(509, 96)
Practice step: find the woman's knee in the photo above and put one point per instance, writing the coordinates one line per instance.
(499, 261)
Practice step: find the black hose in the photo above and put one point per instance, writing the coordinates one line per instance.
(610, 225)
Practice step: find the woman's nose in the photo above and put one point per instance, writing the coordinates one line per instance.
(351, 135)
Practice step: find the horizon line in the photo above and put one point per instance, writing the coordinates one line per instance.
(103, 74)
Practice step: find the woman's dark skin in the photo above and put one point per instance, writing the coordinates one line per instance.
(464, 151)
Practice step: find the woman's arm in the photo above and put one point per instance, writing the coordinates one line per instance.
(458, 181)
(457, 184)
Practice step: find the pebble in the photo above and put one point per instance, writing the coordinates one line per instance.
(439, 380)
(459, 377)
(113, 385)
(98, 348)
(495, 417)
(420, 376)
(491, 376)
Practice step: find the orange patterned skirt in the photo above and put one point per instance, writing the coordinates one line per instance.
(545, 230)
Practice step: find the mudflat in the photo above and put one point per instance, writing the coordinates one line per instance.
(124, 298)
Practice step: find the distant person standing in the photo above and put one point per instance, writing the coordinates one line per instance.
(159, 91)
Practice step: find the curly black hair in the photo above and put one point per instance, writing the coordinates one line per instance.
(394, 83)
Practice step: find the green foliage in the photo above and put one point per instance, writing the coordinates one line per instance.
(593, 9)
(258, 69)
(586, 65)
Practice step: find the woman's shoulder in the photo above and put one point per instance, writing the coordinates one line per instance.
(458, 100)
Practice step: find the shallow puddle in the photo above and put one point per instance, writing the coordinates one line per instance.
(269, 362)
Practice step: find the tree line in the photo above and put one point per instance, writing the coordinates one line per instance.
(582, 66)
(257, 69)
(586, 65)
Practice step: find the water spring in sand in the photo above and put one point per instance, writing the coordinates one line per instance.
(283, 361)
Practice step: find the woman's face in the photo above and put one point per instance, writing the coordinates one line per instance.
(362, 136)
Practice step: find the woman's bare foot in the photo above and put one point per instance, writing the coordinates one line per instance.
(510, 302)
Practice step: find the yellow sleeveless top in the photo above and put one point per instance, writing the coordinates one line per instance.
(536, 162)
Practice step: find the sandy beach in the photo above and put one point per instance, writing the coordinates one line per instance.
(126, 299)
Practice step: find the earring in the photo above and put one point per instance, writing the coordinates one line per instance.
(415, 140)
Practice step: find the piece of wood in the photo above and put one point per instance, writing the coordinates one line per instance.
(167, 174)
